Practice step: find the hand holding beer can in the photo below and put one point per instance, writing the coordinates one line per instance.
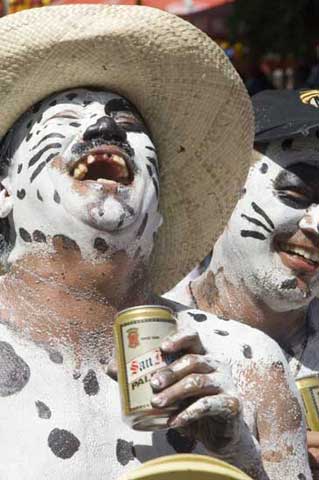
(139, 332)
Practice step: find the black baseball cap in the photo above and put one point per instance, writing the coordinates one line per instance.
(285, 113)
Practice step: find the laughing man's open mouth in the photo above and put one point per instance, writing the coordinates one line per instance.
(105, 164)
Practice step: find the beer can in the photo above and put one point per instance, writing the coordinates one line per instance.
(309, 389)
(139, 332)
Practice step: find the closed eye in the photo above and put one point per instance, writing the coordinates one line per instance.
(67, 114)
(295, 197)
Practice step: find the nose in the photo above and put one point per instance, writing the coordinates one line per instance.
(310, 221)
(105, 128)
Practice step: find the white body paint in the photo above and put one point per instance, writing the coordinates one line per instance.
(96, 419)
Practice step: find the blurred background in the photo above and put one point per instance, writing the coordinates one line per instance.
(272, 43)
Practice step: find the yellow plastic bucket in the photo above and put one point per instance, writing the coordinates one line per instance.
(186, 467)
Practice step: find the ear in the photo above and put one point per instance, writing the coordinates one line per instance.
(6, 200)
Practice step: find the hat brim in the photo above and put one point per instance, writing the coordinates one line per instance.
(191, 97)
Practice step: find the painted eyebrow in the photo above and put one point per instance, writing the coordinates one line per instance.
(50, 135)
(65, 114)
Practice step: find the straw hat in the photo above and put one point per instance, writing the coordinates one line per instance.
(182, 83)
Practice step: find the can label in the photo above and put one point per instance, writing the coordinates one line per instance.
(143, 357)
(309, 389)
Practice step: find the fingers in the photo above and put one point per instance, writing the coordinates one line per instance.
(186, 340)
(221, 408)
(193, 385)
(112, 369)
(181, 368)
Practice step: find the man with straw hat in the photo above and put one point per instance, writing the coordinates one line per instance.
(79, 207)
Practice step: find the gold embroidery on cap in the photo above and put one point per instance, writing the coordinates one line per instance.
(310, 97)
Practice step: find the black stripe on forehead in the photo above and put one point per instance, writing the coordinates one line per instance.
(46, 137)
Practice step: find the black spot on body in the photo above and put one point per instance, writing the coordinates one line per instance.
(25, 235)
(43, 410)
(21, 194)
(223, 333)
(56, 197)
(39, 236)
(264, 168)
(14, 372)
(63, 443)
(142, 226)
(124, 451)
(19, 168)
(66, 242)
(180, 443)
(289, 284)
(91, 385)
(247, 351)
(286, 144)
(100, 245)
(198, 317)
(55, 356)
(39, 196)
(71, 96)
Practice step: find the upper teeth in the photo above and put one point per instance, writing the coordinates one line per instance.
(81, 168)
(313, 256)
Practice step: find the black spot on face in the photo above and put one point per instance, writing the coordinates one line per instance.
(19, 168)
(29, 124)
(100, 245)
(14, 372)
(91, 385)
(63, 443)
(289, 284)
(55, 356)
(223, 333)
(21, 194)
(301, 476)
(75, 124)
(247, 351)
(43, 410)
(38, 236)
(56, 197)
(28, 137)
(124, 451)
(286, 144)
(180, 443)
(142, 226)
(243, 191)
(26, 237)
(264, 168)
(39, 196)
(198, 317)
(71, 96)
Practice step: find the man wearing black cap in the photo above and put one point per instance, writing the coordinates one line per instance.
(265, 267)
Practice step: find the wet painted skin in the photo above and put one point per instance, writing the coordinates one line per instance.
(72, 264)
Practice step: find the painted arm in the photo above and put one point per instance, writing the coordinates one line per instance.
(280, 426)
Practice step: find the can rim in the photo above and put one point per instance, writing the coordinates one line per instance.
(163, 307)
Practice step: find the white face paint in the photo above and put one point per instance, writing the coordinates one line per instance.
(271, 243)
(82, 165)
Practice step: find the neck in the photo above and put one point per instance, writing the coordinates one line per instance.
(63, 299)
(214, 293)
